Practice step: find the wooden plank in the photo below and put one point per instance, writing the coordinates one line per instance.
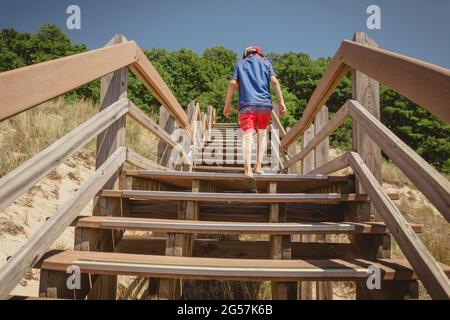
(146, 72)
(18, 181)
(29, 86)
(426, 84)
(139, 116)
(427, 179)
(237, 249)
(338, 119)
(338, 163)
(307, 164)
(330, 80)
(139, 161)
(277, 122)
(235, 197)
(16, 268)
(324, 290)
(216, 176)
(428, 270)
(230, 269)
(367, 92)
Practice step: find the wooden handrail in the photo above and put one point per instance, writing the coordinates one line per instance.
(338, 163)
(36, 246)
(24, 88)
(29, 86)
(141, 162)
(18, 181)
(330, 80)
(425, 84)
(426, 267)
(147, 73)
(338, 119)
(427, 179)
(140, 117)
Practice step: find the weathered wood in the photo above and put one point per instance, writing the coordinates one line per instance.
(148, 123)
(13, 271)
(280, 249)
(324, 290)
(331, 79)
(18, 181)
(192, 226)
(338, 163)
(146, 72)
(307, 165)
(235, 197)
(428, 270)
(112, 88)
(426, 84)
(237, 249)
(367, 92)
(427, 179)
(235, 269)
(29, 86)
(317, 137)
(139, 161)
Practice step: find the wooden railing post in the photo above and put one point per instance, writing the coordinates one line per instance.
(367, 92)
(324, 289)
(113, 88)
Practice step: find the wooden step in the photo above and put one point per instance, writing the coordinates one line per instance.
(230, 269)
(211, 227)
(234, 197)
(234, 181)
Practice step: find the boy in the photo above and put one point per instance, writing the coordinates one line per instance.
(253, 76)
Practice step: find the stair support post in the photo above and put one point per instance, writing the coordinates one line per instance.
(113, 88)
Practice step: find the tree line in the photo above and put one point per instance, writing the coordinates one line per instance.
(204, 77)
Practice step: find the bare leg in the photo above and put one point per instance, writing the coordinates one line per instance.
(247, 146)
(261, 148)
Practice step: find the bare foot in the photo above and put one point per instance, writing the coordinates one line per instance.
(258, 170)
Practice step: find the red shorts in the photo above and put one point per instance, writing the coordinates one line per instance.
(253, 121)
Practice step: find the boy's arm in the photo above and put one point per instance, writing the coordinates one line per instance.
(279, 94)
(231, 88)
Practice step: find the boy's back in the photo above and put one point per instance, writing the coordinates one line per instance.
(253, 75)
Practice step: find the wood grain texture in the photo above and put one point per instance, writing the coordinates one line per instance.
(35, 247)
(331, 79)
(426, 84)
(234, 269)
(428, 270)
(29, 86)
(18, 181)
(315, 137)
(147, 74)
(427, 179)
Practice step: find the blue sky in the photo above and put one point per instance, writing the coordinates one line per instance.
(418, 28)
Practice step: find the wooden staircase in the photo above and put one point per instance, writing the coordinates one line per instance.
(185, 218)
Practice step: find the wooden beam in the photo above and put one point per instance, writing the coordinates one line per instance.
(427, 179)
(18, 181)
(146, 72)
(367, 92)
(35, 247)
(29, 86)
(338, 119)
(227, 269)
(235, 197)
(139, 161)
(426, 84)
(428, 270)
(330, 80)
(139, 116)
(338, 163)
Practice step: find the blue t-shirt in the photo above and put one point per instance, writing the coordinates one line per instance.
(253, 75)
